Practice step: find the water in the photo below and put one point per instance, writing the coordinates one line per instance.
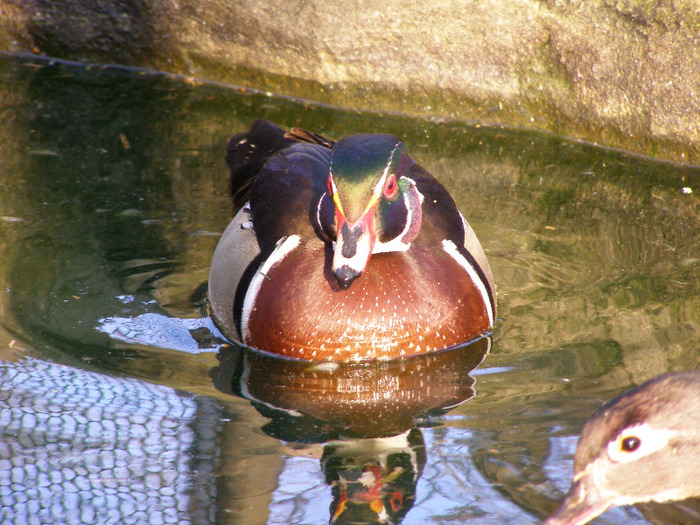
(116, 389)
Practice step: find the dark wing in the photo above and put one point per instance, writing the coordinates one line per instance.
(286, 192)
(248, 152)
(442, 221)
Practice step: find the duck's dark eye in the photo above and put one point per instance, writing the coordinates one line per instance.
(630, 444)
(391, 187)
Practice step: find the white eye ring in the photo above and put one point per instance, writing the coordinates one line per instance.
(638, 441)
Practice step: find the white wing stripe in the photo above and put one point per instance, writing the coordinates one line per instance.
(453, 252)
(284, 247)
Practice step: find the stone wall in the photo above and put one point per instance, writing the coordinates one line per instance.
(623, 73)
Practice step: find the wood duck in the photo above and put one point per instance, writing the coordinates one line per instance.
(345, 251)
(642, 446)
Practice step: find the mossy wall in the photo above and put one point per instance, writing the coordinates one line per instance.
(621, 73)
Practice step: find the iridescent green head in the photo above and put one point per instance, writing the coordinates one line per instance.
(376, 207)
(358, 164)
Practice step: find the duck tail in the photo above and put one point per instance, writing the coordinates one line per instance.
(246, 154)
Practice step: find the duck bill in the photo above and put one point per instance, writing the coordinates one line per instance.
(353, 247)
(583, 503)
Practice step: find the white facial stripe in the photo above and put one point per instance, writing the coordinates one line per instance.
(284, 247)
(333, 188)
(650, 440)
(334, 191)
(318, 210)
(379, 188)
(453, 252)
(409, 216)
(397, 244)
(391, 158)
(394, 245)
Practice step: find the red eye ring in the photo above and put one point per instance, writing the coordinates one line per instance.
(391, 187)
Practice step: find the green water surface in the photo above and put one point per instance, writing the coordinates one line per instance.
(114, 193)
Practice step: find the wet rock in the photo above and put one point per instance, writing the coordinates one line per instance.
(619, 72)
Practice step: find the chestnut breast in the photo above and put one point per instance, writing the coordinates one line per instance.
(404, 303)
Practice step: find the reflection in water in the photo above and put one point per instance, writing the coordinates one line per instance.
(365, 413)
(329, 400)
(81, 447)
(373, 480)
(595, 255)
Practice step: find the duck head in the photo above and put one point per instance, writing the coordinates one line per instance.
(643, 446)
(370, 205)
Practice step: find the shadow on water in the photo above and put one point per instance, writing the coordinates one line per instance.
(113, 198)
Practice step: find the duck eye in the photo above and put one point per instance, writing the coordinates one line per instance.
(630, 444)
(637, 442)
(391, 187)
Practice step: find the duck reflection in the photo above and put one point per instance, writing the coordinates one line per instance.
(365, 413)
(373, 480)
